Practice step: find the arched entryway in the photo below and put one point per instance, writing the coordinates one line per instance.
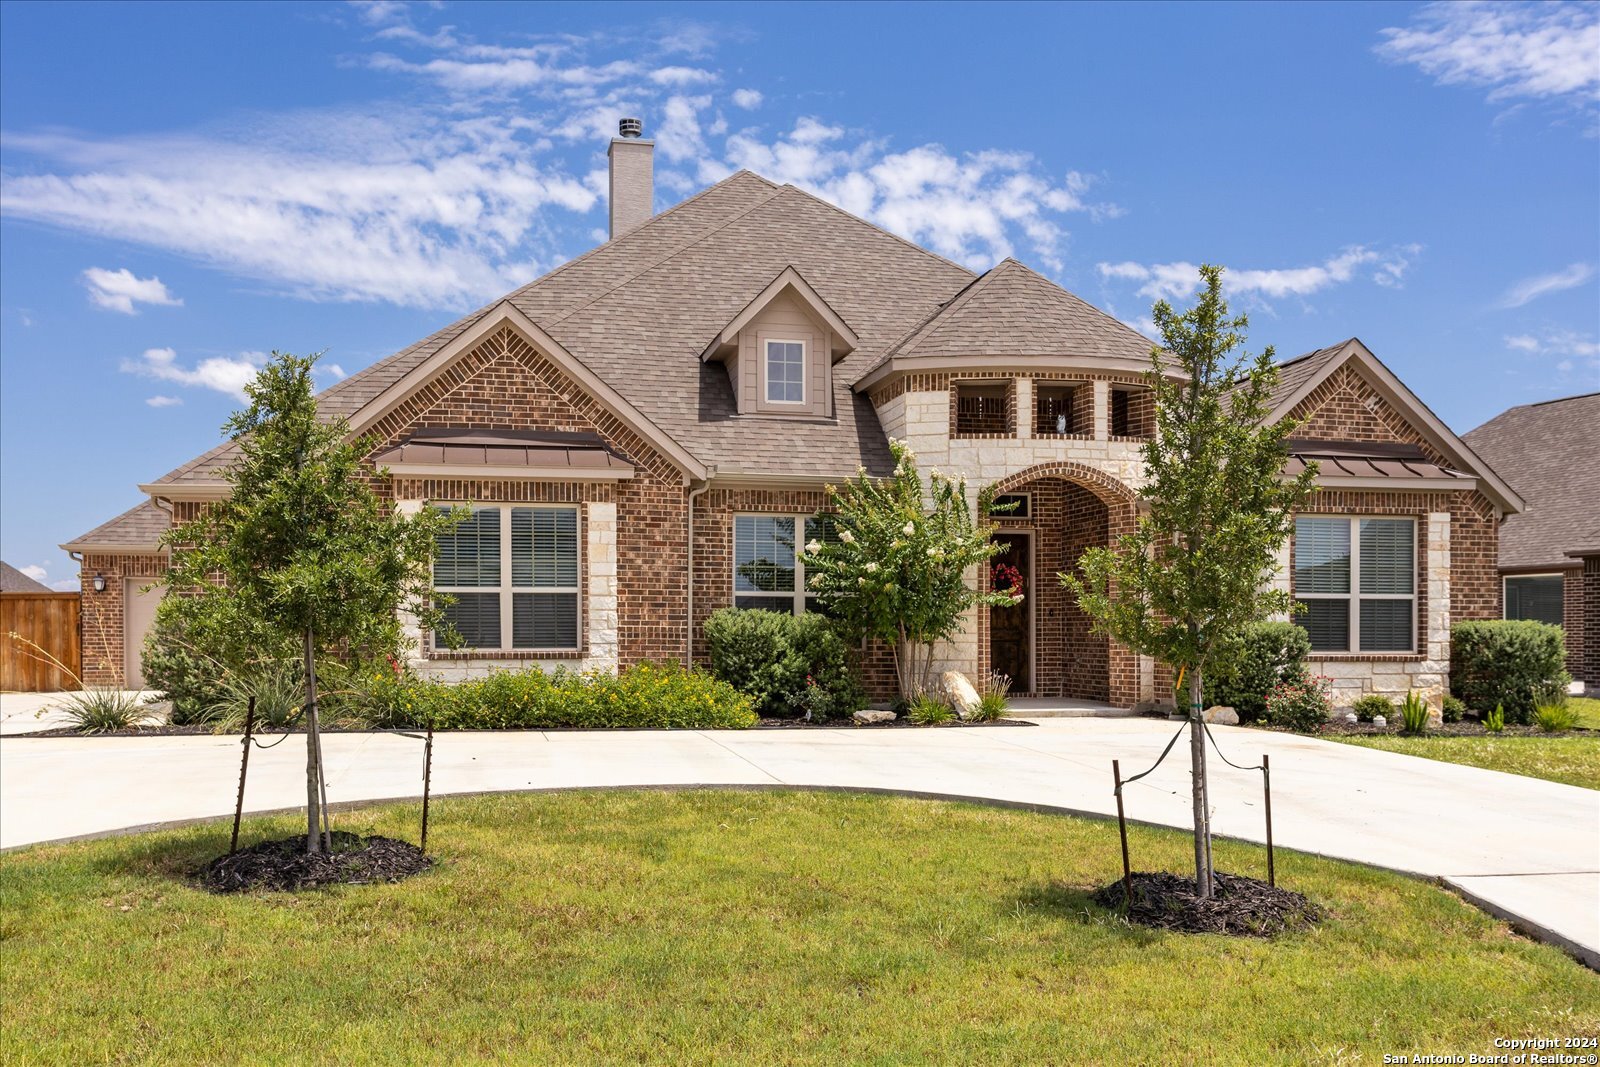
(1045, 643)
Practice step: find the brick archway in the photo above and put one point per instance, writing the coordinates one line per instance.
(1075, 506)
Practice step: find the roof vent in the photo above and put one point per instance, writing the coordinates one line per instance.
(630, 128)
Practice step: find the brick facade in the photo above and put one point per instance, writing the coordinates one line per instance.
(102, 619)
(1590, 614)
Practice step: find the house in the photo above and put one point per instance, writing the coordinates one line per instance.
(1549, 559)
(646, 432)
(14, 581)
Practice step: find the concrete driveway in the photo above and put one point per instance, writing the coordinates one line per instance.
(1526, 849)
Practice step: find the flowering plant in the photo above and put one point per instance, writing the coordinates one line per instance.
(1302, 706)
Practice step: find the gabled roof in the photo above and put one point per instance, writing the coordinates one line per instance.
(137, 530)
(1014, 314)
(790, 280)
(14, 581)
(1301, 375)
(1550, 453)
(637, 311)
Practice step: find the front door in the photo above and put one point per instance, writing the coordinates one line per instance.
(1010, 629)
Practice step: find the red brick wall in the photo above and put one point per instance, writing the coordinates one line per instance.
(505, 383)
(102, 617)
(1572, 621)
(1590, 624)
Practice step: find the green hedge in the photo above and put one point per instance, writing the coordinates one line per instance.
(644, 696)
(788, 664)
(1508, 663)
(1266, 655)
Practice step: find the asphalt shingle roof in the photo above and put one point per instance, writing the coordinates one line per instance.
(14, 581)
(140, 527)
(1550, 454)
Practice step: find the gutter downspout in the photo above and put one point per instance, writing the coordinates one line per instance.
(688, 638)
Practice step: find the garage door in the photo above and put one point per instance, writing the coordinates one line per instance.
(138, 614)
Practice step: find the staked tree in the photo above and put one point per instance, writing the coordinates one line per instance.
(1198, 567)
(304, 550)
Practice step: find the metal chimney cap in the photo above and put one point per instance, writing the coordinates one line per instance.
(630, 128)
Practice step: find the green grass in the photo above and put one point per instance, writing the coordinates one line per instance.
(733, 927)
(1570, 758)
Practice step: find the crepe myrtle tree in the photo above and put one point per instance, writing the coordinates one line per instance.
(1198, 566)
(304, 548)
(895, 566)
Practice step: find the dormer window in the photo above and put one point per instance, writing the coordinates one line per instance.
(786, 372)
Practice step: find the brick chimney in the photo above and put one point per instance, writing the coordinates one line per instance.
(632, 178)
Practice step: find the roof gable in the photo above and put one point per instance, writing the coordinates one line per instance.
(137, 530)
(14, 581)
(1300, 377)
(792, 282)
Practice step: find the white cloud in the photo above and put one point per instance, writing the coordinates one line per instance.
(1523, 343)
(1532, 50)
(163, 401)
(222, 373)
(1179, 280)
(120, 290)
(1529, 289)
(452, 204)
(39, 572)
(1556, 342)
(35, 571)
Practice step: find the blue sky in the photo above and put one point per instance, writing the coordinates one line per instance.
(187, 187)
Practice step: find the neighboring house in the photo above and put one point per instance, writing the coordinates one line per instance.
(645, 433)
(1550, 553)
(14, 581)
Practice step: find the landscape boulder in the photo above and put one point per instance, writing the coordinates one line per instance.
(1221, 715)
(869, 718)
(962, 693)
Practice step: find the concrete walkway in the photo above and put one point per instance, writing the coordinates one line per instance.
(1526, 849)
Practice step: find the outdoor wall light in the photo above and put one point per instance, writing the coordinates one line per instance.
(99, 582)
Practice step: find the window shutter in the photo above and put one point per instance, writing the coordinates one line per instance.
(469, 555)
(1322, 555)
(1388, 557)
(544, 620)
(544, 548)
(1327, 623)
(476, 617)
(1386, 626)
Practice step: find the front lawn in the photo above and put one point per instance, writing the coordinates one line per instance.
(692, 927)
(1572, 758)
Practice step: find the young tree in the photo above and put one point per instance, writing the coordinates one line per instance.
(895, 568)
(1197, 568)
(303, 549)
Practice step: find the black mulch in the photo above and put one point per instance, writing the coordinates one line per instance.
(1240, 906)
(285, 864)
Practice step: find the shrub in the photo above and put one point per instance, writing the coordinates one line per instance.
(645, 696)
(1555, 718)
(1495, 721)
(788, 664)
(1414, 714)
(992, 702)
(174, 668)
(928, 710)
(1453, 708)
(1299, 706)
(1267, 654)
(1506, 663)
(279, 688)
(1372, 705)
(96, 711)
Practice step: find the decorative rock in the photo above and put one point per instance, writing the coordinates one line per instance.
(1349, 717)
(1221, 715)
(963, 695)
(1380, 721)
(870, 717)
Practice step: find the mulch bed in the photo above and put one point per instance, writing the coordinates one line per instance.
(285, 864)
(1240, 906)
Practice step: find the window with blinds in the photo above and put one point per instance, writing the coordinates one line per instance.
(1355, 583)
(530, 604)
(768, 574)
(1538, 597)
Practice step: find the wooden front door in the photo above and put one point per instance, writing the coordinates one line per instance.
(1011, 629)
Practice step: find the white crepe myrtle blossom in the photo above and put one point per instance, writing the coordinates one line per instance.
(813, 545)
(847, 537)
(909, 529)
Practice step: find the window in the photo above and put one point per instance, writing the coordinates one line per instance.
(1121, 415)
(786, 372)
(983, 407)
(766, 572)
(1023, 502)
(534, 600)
(1355, 583)
(1535, 596)
(1056, 410)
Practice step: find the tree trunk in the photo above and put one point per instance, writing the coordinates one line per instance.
(313, 753)
(1202, 801)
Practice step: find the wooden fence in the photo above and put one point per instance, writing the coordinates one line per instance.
(51, 621)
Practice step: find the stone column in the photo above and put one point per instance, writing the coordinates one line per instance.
(1102, 410)
(600, 545)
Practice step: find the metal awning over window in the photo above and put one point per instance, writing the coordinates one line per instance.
(534, 454)
(1373, 465)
